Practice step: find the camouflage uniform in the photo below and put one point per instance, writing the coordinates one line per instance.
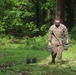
(57, 46)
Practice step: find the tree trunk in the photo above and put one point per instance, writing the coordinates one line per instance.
(37, 13)
(75, 13)
(60, 9)
(70, 13)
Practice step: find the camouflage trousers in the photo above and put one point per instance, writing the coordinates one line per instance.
(57, 51)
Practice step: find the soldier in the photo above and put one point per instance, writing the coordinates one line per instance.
(57, 32)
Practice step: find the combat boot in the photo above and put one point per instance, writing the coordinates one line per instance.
(53, 61)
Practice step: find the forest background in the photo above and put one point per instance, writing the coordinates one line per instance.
(29, 18)
(24, 26)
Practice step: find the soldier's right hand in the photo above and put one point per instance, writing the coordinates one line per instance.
(49, 43)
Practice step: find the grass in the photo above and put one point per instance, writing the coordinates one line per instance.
(18, 56)
(13, 61)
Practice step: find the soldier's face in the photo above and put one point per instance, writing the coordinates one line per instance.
(57, 23)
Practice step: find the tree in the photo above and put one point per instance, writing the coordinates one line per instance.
(65, 10)
(70, 5)
(60, 9)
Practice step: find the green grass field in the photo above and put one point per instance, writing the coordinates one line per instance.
(13, 62)
(13, 59)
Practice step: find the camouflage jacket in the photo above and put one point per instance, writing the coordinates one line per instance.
(60, 32)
